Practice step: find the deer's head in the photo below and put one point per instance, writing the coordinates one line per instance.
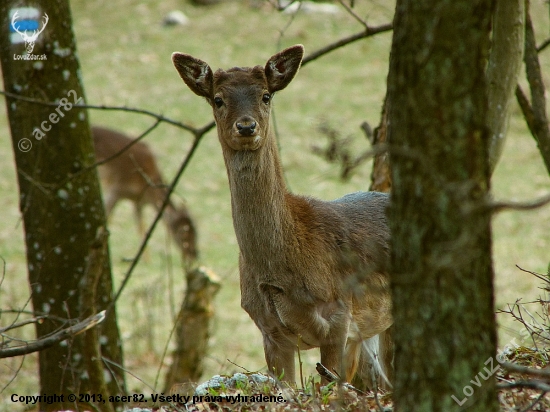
(241, 97)
(29, 39)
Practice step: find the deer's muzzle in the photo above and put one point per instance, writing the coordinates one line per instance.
(246, 126)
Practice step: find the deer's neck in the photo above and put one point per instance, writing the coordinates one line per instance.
(259, 198)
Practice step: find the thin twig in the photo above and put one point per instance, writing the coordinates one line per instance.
(543, 45)
(238, 366)
(300, 362)
(128, 371)
(23, 323)
(332, 377)
(537, 275)
(353, 14)
(104, 107)
(370, 31)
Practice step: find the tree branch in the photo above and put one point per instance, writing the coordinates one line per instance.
(535, 204)
(525, 384)
(543, 45)
(535, 113)
(540, 373)
(57, 337)
(353, 14)
(117, 108)
(369, 31)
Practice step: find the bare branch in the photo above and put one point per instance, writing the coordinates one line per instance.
(538, 120)
(501, 206)
(103, 107)
(37, 319)
(353, 14)
(537, 275)
(526, 109)
(543, 45)
(525, 384)
(57, 337)
(370, 31)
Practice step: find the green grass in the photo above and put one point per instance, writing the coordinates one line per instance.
(125, 58)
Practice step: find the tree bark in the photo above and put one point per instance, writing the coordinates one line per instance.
(503, 70)
(60, 201)
(380, 177)
(535, 112)
(442, 276)
(193, 332)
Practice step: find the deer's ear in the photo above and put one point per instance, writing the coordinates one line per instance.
(195, 73)
(281, 68)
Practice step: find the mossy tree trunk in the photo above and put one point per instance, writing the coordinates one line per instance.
(442, 276)
(60, 201)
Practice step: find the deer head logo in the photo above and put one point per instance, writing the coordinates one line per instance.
(29, 39)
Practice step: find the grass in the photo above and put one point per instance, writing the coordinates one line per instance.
(125, 59)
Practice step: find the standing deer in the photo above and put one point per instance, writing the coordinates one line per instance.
(134, 175)
(312, 273)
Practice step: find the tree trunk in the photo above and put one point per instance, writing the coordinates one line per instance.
(59, 199)
(192, 332)
(442, 277)
(381, 176)
(503, 70)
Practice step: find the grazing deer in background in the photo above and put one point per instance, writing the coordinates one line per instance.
(134, 175)
(312, 273)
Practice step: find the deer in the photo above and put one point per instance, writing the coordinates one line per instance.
(313, 273)
(134, 175)
(30, 40)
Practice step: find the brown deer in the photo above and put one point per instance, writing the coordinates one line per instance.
(312, 273)
(134, 175)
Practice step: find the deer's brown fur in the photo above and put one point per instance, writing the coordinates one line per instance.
(312, 273)
(134, 175)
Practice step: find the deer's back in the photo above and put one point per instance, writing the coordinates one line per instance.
(354, 229)
(130, 174)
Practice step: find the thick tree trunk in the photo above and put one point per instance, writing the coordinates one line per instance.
(442, 277)
(62, 208)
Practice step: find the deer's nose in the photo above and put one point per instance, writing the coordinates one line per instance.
(246, 127)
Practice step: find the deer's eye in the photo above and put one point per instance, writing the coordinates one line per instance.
(218, 102)
(266, 98)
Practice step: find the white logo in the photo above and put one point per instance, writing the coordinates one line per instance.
(29, 24)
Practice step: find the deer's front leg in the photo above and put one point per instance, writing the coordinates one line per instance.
(279, 355)
(333, 348)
